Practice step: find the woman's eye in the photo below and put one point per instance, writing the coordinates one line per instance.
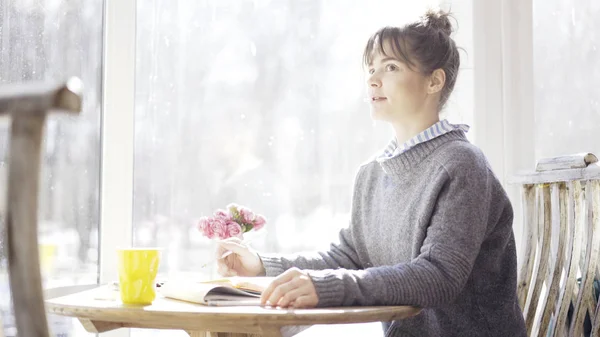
(391, 67)
(371, 71)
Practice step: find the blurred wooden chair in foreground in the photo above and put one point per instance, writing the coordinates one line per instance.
(27, 105)
(558, 280)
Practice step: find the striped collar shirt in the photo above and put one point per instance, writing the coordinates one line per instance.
(442, 127)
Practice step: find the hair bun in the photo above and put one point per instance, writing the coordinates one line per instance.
(438, 19)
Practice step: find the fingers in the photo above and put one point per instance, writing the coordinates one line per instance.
(232, 244)
(231, 240)
(289, 298)
(240, 261)
(284, 293)
(305, 302)
(293, 288)
(225, 269)
(226, 266)
(281, 279)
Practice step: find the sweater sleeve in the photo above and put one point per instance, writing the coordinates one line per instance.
(341, 254)
(438, 274)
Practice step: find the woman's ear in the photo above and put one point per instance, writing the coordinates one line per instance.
(436, 81)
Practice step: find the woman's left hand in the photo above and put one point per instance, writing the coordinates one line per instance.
(294, 288)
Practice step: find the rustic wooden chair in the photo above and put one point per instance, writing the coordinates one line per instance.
(28, 104)
(559, 273)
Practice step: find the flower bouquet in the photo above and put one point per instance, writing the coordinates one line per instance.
(231, 222)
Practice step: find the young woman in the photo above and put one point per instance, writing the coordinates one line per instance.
(431, 226)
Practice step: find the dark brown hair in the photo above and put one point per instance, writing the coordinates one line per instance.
(425, 45)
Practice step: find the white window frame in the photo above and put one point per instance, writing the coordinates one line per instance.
(116, 182)
(503, 101)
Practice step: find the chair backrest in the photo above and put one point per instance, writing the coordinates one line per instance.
(28, 104)
(558, 279)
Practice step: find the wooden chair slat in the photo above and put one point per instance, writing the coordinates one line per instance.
(535, 263)
(531, 233)
(21, 225)
(596, 216)
(569, 289)
(586, 298)
(558, 200)
(545, 225)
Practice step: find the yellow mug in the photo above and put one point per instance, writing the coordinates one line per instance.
(47, 253)
(137, 274)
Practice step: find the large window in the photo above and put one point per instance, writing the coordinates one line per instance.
(52, 40)
(259, 103)
(566, 50)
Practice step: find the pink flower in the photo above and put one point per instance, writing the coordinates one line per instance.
(259, 222)
(234, 229)
(219, 228)
(231, 222)
(247, 216)
(202, 223)
(223, 215)
(204, 227)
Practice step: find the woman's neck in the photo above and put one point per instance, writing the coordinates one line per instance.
(407, 129)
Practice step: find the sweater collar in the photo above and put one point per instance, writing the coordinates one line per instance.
(411, 158)
(441, 127)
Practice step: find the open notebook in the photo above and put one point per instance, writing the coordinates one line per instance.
(222, 292)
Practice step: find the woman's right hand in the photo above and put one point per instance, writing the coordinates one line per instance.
(243, 262)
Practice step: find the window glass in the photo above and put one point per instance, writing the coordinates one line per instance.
(566, 49)
(52, 40)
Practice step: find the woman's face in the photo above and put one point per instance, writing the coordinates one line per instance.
(396, 92)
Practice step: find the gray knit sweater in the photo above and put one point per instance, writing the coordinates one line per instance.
(430, 228)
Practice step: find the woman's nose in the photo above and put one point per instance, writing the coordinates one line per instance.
(373, 81)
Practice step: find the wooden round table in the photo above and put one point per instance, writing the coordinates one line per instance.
(99, 313)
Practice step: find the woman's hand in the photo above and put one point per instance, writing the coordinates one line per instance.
(243, 262)
(294, 288)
